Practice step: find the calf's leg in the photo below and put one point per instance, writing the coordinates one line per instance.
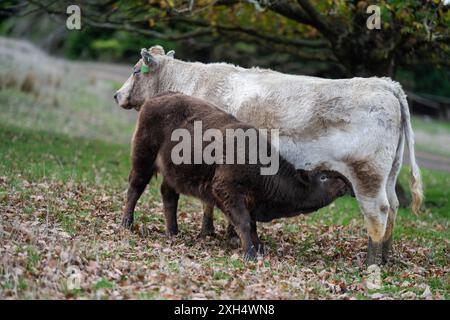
(137, 181)
(240, 218)
(232, 237)
(170, 204)
(208, 221)
(233, 206)
(255, 239)
(142, 168)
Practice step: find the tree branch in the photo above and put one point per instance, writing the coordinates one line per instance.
(317, 19)
(147, 32)
(289, 10)
(318, 44)
(283, 7)
(90, 21)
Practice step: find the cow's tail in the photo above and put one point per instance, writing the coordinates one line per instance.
(416, 179)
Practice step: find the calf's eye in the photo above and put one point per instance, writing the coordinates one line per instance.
(323, 178)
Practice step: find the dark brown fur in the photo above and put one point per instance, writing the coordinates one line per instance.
(239, 191)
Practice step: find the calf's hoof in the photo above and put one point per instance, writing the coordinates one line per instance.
(205, 233)
(260, 248)
(234, 242)
(127, 222)
(171, 233)
(232, 237)
(251, 254)
(374, 253)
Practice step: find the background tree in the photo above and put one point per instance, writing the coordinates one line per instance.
(330, 31)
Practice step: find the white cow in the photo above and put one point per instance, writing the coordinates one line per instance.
(356, 126)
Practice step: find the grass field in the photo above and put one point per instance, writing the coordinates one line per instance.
(61, 200)
(61, 194)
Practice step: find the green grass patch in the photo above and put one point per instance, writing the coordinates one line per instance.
(41, 155)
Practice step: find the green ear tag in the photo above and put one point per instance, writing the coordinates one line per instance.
(145, 68)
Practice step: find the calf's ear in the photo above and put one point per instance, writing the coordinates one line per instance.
(304, 176)
(148, 59)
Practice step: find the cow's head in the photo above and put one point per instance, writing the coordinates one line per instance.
(143, 82)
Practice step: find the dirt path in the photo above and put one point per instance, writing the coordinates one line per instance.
(431, 161)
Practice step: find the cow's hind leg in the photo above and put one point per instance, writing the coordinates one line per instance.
(393, 207)
(369, 184)
(375, 212)
(393, 201)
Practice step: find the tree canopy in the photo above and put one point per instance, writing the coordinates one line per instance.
(328, 31)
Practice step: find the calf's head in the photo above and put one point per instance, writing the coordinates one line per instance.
(324, 187)
(143, 82)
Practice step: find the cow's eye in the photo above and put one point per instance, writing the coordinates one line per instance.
(323, 177)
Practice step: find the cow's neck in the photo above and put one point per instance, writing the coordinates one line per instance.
(191, 78)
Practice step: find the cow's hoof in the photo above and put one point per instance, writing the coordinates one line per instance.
(386, 251)
(374, 253)
(127, 222)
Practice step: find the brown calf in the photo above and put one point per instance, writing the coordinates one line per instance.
(238, 190)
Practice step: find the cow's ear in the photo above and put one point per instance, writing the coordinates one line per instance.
(148, 58)
(171, 54)
(156, 50)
